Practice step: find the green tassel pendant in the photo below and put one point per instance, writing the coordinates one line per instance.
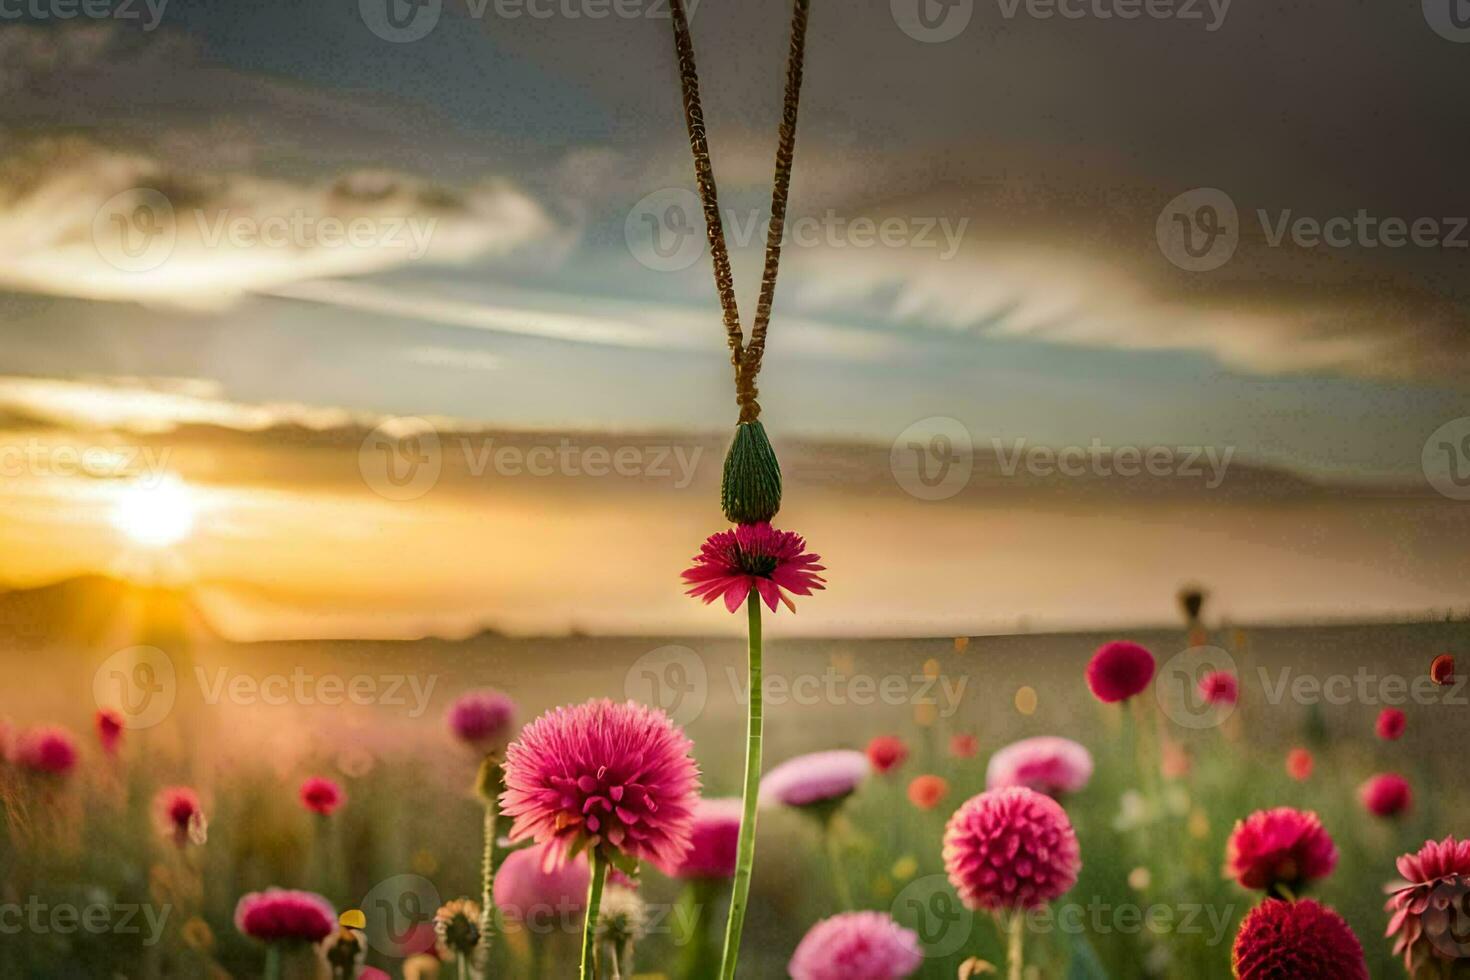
(751, 491)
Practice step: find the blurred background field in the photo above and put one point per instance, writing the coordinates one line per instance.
(409, 834)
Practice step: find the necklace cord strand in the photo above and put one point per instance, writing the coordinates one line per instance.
(744, 357)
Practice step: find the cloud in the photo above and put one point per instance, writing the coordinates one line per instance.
(79, 219)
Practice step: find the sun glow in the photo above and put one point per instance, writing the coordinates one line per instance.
(155, 514)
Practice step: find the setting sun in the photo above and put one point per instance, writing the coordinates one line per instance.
(156, 515)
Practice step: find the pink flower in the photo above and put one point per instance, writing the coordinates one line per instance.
(713, 840)
(321, 795)
(1047, 764)
(754, 556)
(887, 752)
(856, 946)
(1278, 848)
(1386, 795)
(277, 915)
(928, 791)
(1442, 670)
(963, 745)
(1011, 848)
(1219, 687)
(1299, 765)
(482, 719)
(1296, 940)
(601, 774)
(110, 727)
(178, 815)
(527, 891)
(47, 751)
(1119, 670)
(815, 779)
(1431, 906)
(1391, 724)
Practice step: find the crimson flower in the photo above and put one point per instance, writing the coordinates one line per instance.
(886, 753)
(279, 915)
(1386, 795)
(1297, 940)
(1431, 906)
(1219, 687)
(1010, 848)
(179, 816)
(321, 795)
(109, 729)
(1442, 670)
(754, 557)
(1119, 670)
(1279, 848)
(1391, 724)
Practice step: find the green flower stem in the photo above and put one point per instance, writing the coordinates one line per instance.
(834, 857)
(1016, 945)
(273, 961)
(692, 932)
(487, 879)
(594, 909)
(462, 968)
(745, 850)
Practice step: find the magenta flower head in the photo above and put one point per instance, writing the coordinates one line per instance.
(857, 946)
(1297, 940)
(47, 751)
(713, 839)
(178, 815)
(1011, 849)
(818, 780)
(1386, 795)
(1280, 848)
(277, 915)
(1391, 724)
(321, 795)
(1119, 670)
(528, 892)
(600, 774)
(482, 719)
(1219, 687)
(1048, 764)
(754, 557)
(110, 727)
(1430, 907)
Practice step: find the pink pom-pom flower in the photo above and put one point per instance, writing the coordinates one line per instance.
(46, 751)
(321, 795)
(1279, 849)
(856, 946)
(179, 816)
(818, 779)
(754, 557)
(482, 719)
(1430, 907)
(1048, 764)
(1219, 687)
(1296, 940)
(887, 753)
(110, 727)
(713, 839)
(600, 774)
(1391, 724)
(1011, 849)
(1119, 670)
(529, 893)
(278, 915)
(1386, 795)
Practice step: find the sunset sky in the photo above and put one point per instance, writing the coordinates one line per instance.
(507, 169)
